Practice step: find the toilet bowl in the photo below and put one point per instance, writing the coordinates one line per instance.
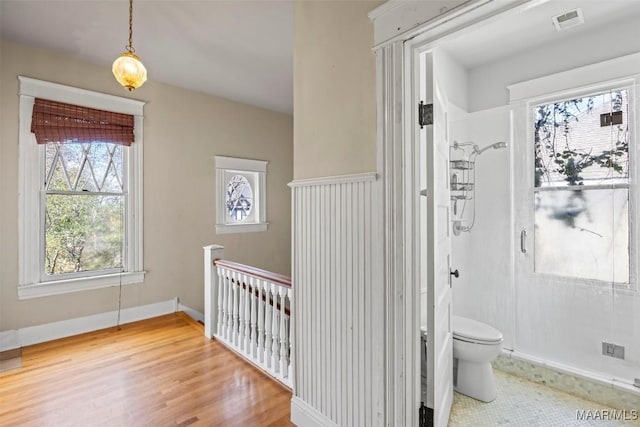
(475, 345)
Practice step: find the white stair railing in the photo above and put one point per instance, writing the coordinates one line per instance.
(248, 310)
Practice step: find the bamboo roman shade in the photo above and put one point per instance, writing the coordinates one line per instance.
(54, 121)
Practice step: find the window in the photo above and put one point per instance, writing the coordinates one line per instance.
(81, 196)
(240, 195)
(581, 187)
(84, 208)
(239, 199)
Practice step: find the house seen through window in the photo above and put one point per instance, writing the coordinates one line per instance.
(581, 191)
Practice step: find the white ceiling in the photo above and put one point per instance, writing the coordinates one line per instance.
(501, 37)
(240, 50)
(243, 50)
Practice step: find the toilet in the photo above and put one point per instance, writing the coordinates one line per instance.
(475, 345)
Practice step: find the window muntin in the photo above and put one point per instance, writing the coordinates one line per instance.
(95, 167)
(581, 187)
(84, 202)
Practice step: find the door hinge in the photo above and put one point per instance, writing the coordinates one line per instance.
(425, 416)
(425, 114)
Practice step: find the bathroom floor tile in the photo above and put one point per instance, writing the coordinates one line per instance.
(523, 403)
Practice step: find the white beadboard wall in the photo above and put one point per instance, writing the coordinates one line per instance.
(338, 302)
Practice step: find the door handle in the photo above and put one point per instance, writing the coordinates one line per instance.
(454, 273)
(523, 241)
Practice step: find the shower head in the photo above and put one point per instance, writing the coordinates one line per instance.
(495, 146)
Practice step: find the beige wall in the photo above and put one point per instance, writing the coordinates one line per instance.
(183, 131)
(334, 89)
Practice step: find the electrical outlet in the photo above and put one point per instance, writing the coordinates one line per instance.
(612, 350)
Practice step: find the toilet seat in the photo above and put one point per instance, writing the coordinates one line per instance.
(470, 330)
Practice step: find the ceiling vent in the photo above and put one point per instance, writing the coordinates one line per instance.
(568, 19)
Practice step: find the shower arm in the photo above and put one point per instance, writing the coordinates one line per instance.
(495, 146)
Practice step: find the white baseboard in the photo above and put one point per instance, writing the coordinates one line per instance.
(303, 415)
(194, 314)
(66, 328)
(9, 340)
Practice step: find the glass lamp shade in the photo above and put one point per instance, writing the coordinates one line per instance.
(129, 71)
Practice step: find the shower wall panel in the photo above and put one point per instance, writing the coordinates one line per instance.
(484, 290)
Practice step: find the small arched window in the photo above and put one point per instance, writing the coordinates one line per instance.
(241, 194)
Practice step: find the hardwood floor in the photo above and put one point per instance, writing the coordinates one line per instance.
(156, 372)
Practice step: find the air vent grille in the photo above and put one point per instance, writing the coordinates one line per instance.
(568, 19)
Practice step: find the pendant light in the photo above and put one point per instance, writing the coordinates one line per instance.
(127, 68)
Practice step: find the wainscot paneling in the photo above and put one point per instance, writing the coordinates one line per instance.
(338, 302)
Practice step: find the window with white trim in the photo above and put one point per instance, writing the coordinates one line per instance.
(581, 186)
(80, 197)
(240, 195)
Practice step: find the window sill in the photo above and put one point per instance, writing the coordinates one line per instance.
(240, 228)
(59, 287)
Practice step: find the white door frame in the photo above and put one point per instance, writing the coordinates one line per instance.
(398, 167)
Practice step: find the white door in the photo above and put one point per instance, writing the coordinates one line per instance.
(437, 250)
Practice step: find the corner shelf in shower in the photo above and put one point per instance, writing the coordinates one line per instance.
(461, 164)
(460, 197)
(461, 190)
(461, 186)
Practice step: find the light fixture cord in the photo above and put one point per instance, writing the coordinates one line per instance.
(130, 47)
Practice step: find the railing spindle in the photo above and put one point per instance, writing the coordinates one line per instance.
(225, 296)
(229, 301)
(275, 332)
(268, 326)
(241, 304)
(240, 313)
(247, 314)
(219, 326)
(261, 329)
(284, 366)
(236, 313)
(240, 341)
(254, 317)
